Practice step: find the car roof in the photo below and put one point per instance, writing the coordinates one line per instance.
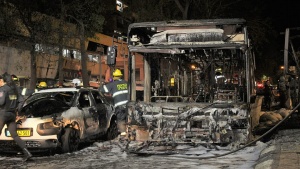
(70, 89)
(66, 89)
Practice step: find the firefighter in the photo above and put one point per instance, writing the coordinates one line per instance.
(76, 82)
(118, 89)
(283, 92)
(21, 97)
(267, 95)
(8, 106)
(25, 92)
(293, 84)
(42, 85)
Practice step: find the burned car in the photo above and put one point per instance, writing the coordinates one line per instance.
(61, 119)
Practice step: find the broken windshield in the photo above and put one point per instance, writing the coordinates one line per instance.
(66, 97)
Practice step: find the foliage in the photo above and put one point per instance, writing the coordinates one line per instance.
(34, 21)
(89, 12)
(261, 30)
(90, 15)
(28, 25)
(87, 15)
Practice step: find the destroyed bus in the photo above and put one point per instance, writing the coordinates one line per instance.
(198, 82)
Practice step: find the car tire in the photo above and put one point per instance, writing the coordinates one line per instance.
(70, 140)
(112, 131)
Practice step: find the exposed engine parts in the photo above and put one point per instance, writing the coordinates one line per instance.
(214, 123)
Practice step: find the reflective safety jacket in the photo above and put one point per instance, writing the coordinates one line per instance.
(119, 91)
(26, 92)
(8, 99)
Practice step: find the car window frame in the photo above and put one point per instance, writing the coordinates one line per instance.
(82, 103)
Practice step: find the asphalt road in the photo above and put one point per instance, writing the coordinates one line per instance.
(109, 155)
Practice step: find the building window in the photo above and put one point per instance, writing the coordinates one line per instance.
(73, 54)
(70, 53)
(46, 49)
(137, 74)
(93, 58)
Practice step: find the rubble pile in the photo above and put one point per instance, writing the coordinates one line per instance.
(269, 119)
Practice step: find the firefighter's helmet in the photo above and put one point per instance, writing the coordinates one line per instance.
(117, 73)
(76, 82)
(42, 85)
(14, 78)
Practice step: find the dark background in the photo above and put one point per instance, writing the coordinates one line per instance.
(282, 14)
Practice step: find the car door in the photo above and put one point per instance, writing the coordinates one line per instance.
(102, 109)
(91, 120)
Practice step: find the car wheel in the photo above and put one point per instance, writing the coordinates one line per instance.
(112, 131)
(70, 140)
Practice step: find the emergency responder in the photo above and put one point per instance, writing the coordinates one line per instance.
(119, 91)
(42, 85)
(76, 82)
(25, 92)
(293, 84)
(21, 97)
(267, 95)
(283, 92)
(8, 106)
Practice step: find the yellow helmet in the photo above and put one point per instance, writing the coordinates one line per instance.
(117, 73)
(42, 84)
(14, 78)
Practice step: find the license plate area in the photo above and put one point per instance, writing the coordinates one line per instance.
(22, 132)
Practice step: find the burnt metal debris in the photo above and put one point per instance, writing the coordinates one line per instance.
(198, 82)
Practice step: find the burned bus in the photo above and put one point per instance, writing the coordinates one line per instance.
(198, 81)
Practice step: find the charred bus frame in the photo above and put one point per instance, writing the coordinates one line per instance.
(208, 103)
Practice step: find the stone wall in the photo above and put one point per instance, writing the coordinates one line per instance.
(15, 61)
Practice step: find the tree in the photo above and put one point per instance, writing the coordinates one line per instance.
(260, 28)
(33, 27)
(36, 21)
(88, 18)
(154, 10)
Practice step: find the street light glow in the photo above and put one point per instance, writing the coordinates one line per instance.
(193, 67)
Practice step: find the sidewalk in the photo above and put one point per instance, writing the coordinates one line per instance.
(283, 152)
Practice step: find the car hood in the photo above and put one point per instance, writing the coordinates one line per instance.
(44, 107)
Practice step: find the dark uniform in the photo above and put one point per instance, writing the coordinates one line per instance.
(119, 91)
(282, 88)
(267, 95)
(8, 106)
(23, 91)
(293, 84)
(26, 92)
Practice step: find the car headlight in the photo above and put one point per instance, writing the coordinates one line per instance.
(48, 125)
(47, 128)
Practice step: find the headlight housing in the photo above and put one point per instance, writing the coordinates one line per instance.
(48, 128)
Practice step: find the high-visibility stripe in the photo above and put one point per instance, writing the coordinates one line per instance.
(12, 97)
(120, 92)
(105, 88)
(24, 91)
(121, 103)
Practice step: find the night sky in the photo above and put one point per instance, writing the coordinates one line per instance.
(283, 14)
